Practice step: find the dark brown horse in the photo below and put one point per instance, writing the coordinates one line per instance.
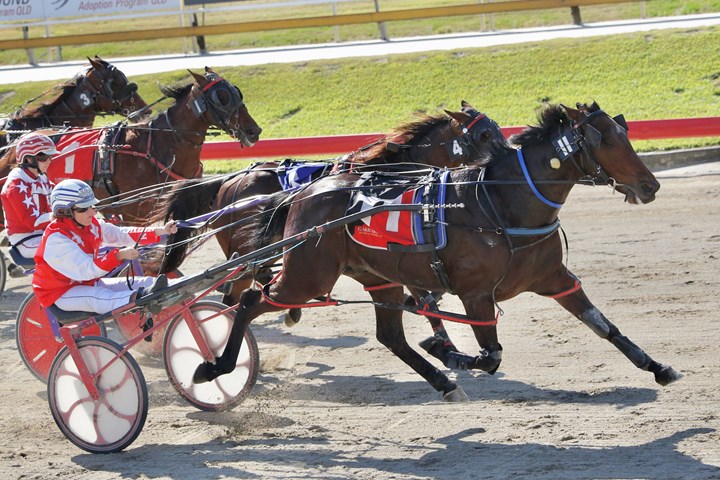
(502, 242)
(440, 141)
(145, 154)
(168, 147)
(101, 89)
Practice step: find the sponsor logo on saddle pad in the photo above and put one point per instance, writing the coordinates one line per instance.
(396, 230)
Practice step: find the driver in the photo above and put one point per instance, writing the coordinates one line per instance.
(70, 271)
(26, 195)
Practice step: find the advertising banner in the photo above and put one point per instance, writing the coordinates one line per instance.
(203, 2)
(25, 10)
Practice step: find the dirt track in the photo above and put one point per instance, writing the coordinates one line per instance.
(333, 403)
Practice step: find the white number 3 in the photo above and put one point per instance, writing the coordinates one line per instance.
(85, 99)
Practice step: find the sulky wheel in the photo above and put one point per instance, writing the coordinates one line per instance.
(35, 340)
(3, 273)
(116, 418)
(182, 355)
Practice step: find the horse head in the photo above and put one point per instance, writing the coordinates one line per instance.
(606, 153)
(107, 89)
(441, 141)
(476, 132)
(221, 104)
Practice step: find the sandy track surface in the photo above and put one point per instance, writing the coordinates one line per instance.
(333, 403)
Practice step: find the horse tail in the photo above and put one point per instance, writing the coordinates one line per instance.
(269, 226)
(186, 200)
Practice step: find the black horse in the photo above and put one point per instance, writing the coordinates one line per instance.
(503, 242)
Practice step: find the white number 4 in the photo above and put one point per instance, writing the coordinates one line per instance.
(457, 149)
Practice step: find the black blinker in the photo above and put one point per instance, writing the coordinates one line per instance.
(620, 120)
(592, 136)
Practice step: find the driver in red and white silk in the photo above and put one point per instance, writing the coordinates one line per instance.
(70, 271)
(26, 193)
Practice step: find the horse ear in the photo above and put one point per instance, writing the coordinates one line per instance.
(96, 63)
(460, 117)
(199, 79)
(209, 70)
(571, 112)
(464, 104)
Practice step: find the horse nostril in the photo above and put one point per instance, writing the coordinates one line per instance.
(651, 187)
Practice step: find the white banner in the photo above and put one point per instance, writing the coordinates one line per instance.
(23, 10)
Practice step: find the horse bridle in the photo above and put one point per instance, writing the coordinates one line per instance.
(207, 101)
(572, 139)
(103, 88)
(469, 133)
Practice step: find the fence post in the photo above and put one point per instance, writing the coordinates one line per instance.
(381, 25)
(336, 28)
(30, 52)
(200, 38)
(575, 11)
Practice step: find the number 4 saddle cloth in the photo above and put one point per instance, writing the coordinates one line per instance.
(404, 230)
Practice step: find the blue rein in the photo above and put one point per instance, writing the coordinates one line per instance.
(539, 230)
(537, 193)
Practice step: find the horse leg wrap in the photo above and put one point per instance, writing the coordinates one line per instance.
(488, 361)
(460, 361)
(634, 353)
(604, 328)
(438, 347)
(596, 321)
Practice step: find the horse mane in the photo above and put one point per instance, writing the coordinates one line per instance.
(408, 133)
(36, 111)
(177, 91)
(65, 88)
(551, 119)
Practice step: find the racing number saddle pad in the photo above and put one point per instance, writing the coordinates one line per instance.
(399, 230)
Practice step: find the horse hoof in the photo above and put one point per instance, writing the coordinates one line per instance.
(457, 395)
(202, 373)
(667, 375)
(292, 317)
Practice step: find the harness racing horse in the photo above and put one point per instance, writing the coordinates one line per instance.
(130, 158)
(168, 146)
(440, 141)
(502, 240)
(101, 89)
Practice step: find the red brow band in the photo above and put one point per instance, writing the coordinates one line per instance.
(479, 117)
(211, 84)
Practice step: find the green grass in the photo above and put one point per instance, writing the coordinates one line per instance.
(443, 25)
(664, 74)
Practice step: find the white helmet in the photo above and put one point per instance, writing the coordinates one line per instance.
(71, 193)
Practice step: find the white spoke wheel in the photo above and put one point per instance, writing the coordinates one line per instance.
(35, 340)
(182, 355)
(116, 418)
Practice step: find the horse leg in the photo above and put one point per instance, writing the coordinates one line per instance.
(481, 309)
(580, 306)
(390, 332)
(439, 345)
(250, 306)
